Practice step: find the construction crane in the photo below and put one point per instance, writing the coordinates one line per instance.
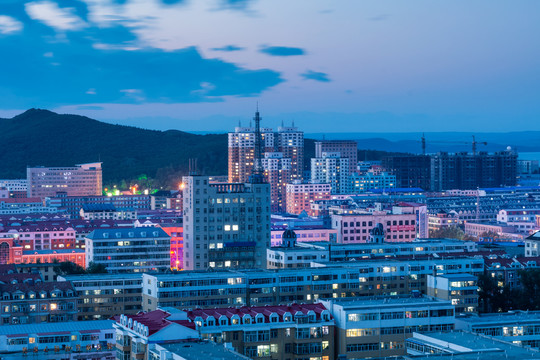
(474, 143)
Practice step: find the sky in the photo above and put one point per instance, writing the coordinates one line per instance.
(326, 65)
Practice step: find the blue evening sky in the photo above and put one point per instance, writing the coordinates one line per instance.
(330, 66)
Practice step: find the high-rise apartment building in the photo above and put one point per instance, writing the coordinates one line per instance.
(79, 180)
(347, 148)
(242, 151)
(471, 171)
(287, 140)
(333, 169)
(300, 195)
(226, 225)
(411, 171)
(277, 171)
(290, 142)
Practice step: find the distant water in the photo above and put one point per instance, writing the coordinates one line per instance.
(529, 156)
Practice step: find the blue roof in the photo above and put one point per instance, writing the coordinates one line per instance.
(98, 207)
(129, 233)
(396, 190)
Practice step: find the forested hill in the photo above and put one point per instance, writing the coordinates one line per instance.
(42, 137)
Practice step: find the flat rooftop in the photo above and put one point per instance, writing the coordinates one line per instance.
(473, 346)
(378, 301)
(69, 326)
(514, 317)
(203, 350)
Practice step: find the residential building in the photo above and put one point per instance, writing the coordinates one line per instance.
(282, 332)
(17, 206)
(78, 180)
(332, 169)
(26, 299)
(368, 277)
(193, 351)
(106, 212)
(300, 196)
(411, 171)
(16, 185)
(471, 171)
(362, 183)
(129, 250)
(460, 289)
(176, 232)
(524, 167)
(355, 228)
(290, 143)
(103, 296)
(278, 173)
(532, 245)
(379, 326)
(460, 345)
(242, 151)
(225, 225)
(518, 327)
(72, 205)
(302, 254)
(347, 148)
(84, 340)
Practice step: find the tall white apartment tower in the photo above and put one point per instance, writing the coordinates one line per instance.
(332, 169)
(226, 225)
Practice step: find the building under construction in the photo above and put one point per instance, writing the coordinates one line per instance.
(445, 171)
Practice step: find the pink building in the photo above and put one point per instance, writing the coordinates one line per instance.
(304, 234)
(278, 172)
(79, 180)
(300, 196)
(43, 236)
(355, 228)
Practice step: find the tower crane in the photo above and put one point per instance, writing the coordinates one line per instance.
(474, 143)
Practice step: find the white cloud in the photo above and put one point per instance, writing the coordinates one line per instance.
(51, 14)
(9, 25)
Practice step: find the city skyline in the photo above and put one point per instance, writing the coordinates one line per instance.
(202, 66)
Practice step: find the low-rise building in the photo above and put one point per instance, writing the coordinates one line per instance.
(518, 327)
(460, 345)
(84, 340)
(106, 212)
(129, 250)
(26, 299)
(460, 289)
(103, 296)
(378, 327)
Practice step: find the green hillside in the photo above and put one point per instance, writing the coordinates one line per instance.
(41, 137)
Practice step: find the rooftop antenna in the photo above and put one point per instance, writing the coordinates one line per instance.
(423, 144)
(257, 175)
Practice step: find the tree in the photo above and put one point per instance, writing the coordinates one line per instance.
(94, 268)
(450, 232)
(68, 268)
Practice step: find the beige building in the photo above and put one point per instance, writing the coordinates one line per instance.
(79, 180)
(379, 326)
(225, 225)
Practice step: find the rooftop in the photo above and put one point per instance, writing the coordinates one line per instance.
(203, 350)
(390, 301)
(56, 327)
(137, 233)
(513, 317)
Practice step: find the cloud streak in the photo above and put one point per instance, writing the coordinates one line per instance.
(9, 25)
(317, 76)
(51, 14)
(282, 51)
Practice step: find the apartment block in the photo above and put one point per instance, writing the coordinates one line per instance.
(460, 289)
(225, 225)
(355, 228)
(83, 340)
(192, 289)
(102, 296)
(331, 168)
(290, 142)
(379, 326)
(78, 180)
(129, 250)
(300, 196)
(347, 148)
(278, 173)
(362, 183)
